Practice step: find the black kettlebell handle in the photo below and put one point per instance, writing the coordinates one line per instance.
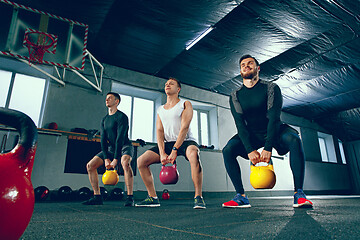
(23, 124)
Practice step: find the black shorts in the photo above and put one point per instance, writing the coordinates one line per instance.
(126, 150)
(181, 151)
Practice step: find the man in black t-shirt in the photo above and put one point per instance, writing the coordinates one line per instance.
(256, 108)
(115, 146)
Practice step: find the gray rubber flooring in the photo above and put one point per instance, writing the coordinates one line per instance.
(275, 218)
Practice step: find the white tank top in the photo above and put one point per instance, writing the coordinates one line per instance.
(171, 121)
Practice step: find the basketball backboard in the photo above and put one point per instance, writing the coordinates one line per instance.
(69, 49)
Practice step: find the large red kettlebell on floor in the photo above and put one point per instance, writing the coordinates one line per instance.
(169, 174)
(16, 190)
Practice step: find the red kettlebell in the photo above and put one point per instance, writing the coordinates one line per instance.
(16, 190)
(52, 125)
(169, 174)
(165, 195)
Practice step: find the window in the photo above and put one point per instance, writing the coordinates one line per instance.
(143, 119)
(4, 86)
(194, 125)
(23, 93)
(323, 151)
(140, 106)
(141, 116)
(342, 153)
(200, 127)
(327, 148)
(204, 123)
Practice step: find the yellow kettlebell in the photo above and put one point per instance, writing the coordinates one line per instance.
(262, 177)
(110, 177)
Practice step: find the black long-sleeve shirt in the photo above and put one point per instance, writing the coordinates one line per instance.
(114, 134)
(257, 111)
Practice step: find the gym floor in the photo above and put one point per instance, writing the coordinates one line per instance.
(333, 217)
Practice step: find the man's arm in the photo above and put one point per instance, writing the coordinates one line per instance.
(273, 114)
(103, 140)
(253, 154)
(122, 130)
(160, 140)
(186, 117)
(241, 127)
(104, 144)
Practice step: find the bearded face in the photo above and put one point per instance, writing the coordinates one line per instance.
(248, 68)
(250, 74)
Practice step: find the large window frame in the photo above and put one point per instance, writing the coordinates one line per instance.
(17, 68)
(342, 152)
(200, 127)
(135, 92)
(327, 148)
(212, 125)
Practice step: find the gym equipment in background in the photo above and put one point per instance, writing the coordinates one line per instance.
(116, 194)
(104, 193)
(65, 193)
(83, 194)
(165, 195)
(41, 193)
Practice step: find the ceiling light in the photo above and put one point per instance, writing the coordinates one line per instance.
(199, 38)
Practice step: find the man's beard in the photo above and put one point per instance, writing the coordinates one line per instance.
(249, 74)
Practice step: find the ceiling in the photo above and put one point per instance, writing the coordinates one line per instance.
(310, 48)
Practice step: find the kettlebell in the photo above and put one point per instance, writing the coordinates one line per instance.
(165, 195)
(110, 177)
(16, 190)
(262, 177)
(169, 174)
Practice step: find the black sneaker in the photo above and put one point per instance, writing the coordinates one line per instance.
(96, 200)
(129, 202)
(199, 203)
(149, 202)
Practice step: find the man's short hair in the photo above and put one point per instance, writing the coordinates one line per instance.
(248, 56)
(116, 95)
(177, 81)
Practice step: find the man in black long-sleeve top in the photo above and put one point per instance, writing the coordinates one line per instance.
(256, 108)
(115, 145)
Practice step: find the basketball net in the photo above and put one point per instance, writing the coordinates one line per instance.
(37, 43)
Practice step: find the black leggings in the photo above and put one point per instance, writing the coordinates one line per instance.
(288, 140)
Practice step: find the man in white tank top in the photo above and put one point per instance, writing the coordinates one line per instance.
(174, 137)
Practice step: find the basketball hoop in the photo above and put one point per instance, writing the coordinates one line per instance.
(38, 43)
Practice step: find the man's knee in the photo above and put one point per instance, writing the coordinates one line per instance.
(194, 159)
(294, 141)
(193, 156)
(125, 162)
(227, 151)
(142, 161)
(147, 158)
(94, 164)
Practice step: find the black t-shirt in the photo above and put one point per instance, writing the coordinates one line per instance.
(257, 111)
(114, 133)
